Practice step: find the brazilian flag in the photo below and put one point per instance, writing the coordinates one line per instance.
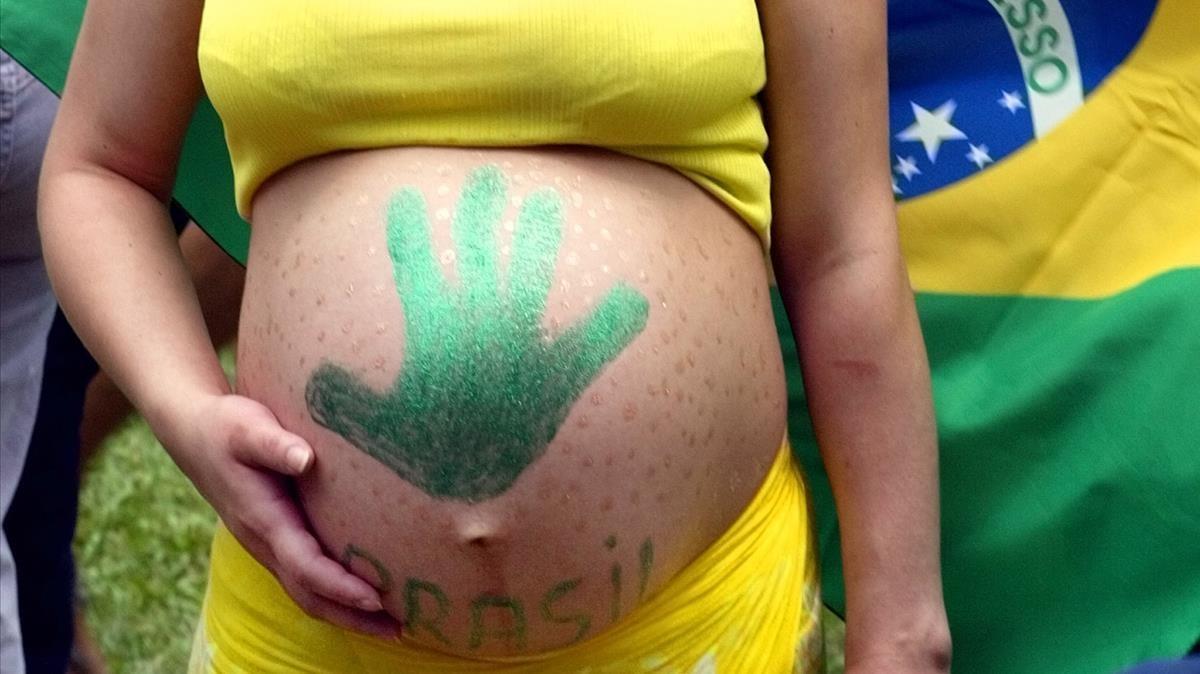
(1047, 167)
(1046, 160)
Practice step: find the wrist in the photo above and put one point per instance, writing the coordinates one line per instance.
(912, 638)
(178, 413)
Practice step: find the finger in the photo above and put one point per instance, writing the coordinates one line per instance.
(475, 219)
(300, 559)
(534, 251)
(260, 441)
(376, 623)
(422, 286)
(592, 342)
(261, 504)
(271, 526)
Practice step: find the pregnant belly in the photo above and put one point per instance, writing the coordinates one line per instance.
(538, 382)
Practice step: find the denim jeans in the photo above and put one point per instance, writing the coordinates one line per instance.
(26, 308)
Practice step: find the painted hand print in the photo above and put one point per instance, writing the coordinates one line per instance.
(482, 388)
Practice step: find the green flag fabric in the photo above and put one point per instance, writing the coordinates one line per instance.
(40, 35)
(1048, 172)
(1047, 167)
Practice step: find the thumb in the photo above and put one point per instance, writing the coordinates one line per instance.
(263, 442)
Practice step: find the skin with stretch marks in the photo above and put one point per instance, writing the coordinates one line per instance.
(476, 354)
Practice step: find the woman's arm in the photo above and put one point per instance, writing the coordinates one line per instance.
(837, 259)
(118, 272)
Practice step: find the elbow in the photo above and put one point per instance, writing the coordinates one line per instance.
(100, 156)
(819, 249)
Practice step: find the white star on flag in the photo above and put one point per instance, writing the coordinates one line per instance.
(1011, 101)
(907, 167)
(978, 155)
(896, 188)
(932, 128)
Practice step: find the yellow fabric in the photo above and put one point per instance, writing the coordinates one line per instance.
(1113, 181)
(747, 605)
(670, 81)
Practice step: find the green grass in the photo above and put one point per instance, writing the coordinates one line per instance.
(142, 547)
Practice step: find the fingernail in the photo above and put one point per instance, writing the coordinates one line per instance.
(370, 605)
(298, 458)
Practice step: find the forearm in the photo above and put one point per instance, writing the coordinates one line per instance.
(867, 382)
(115, 264)
(837, 259)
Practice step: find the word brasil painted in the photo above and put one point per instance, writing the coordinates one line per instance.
(497, 617)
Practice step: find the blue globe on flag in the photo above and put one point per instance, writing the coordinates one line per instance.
(973, 82)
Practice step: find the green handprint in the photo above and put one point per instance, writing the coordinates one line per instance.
(482, 389)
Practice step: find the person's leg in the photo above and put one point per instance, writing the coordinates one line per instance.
(218, 280)
(26, 309)
(41, 521)
(104, 409)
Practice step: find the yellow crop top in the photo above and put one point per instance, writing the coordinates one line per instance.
(669, 81)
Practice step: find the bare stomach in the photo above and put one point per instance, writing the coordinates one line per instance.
(538, 382)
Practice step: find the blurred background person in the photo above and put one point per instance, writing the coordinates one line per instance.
(26, 308)
(57, 406)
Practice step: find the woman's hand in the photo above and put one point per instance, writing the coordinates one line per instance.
(241, 460)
